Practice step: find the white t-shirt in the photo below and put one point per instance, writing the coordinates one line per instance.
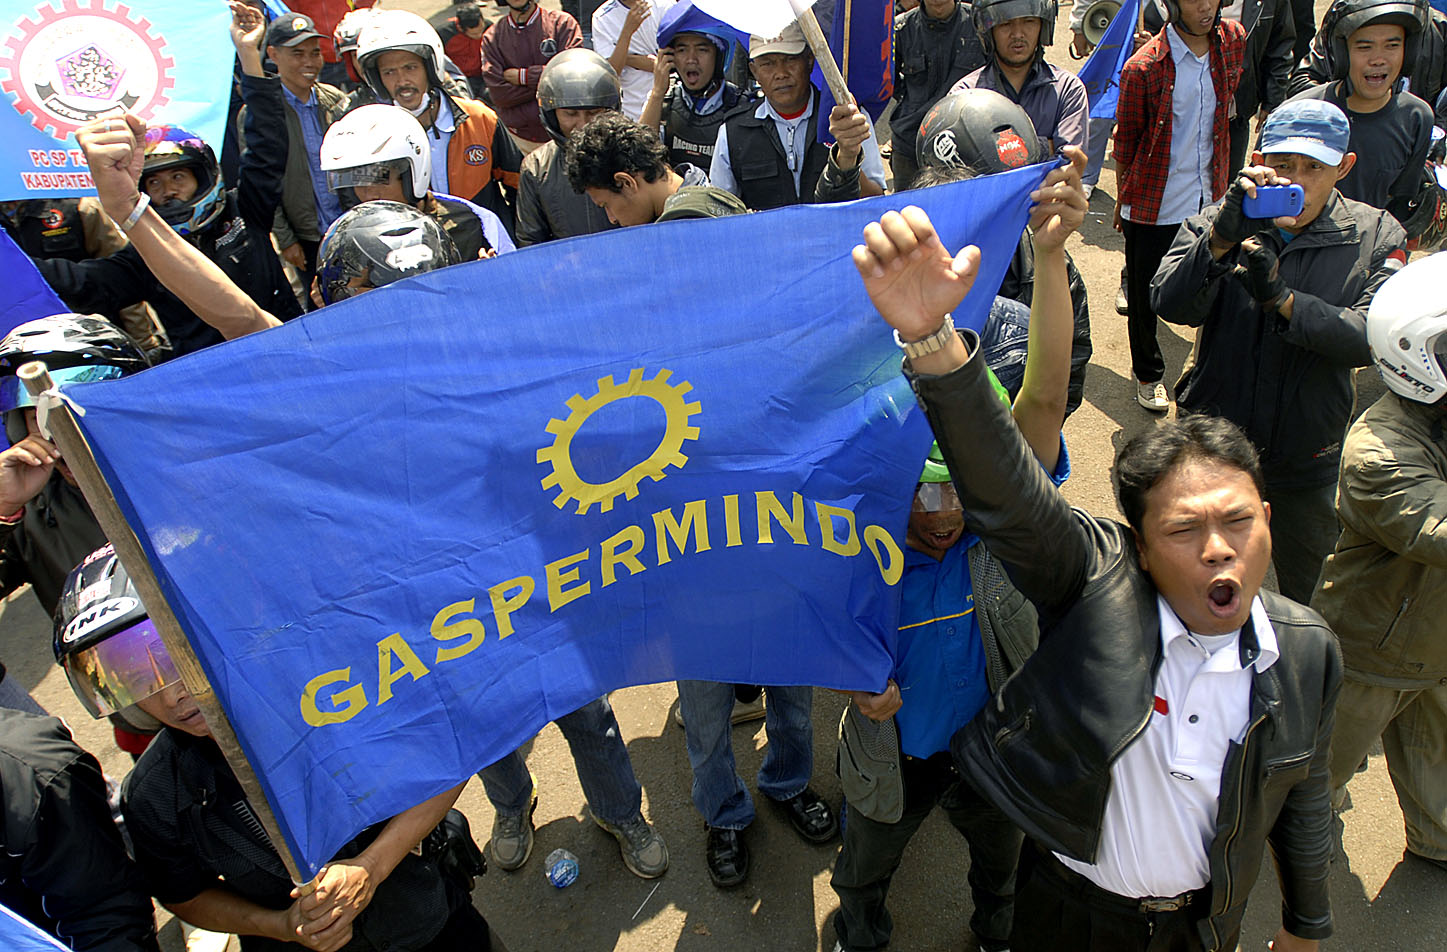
(608, 26)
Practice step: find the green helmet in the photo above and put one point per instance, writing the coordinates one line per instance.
(935, 470)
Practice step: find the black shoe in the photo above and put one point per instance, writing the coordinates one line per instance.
(1122, 297)
(727, 857)
(810, 816)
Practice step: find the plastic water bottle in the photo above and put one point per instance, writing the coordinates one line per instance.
(562, 868)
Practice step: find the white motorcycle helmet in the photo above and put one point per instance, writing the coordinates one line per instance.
(371, 144)
(398, 30)
(1407, 330)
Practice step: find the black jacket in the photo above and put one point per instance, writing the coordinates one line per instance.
(60, 847)
(690, 137)
(239, 241)
(1266, 69)
(193, 828)
(930, 56)
(1428, 76)
(1041, 750)
(1288, 384)
(56, 533)
(761, 167)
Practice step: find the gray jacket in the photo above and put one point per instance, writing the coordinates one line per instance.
(1384, 589)
(868, 759)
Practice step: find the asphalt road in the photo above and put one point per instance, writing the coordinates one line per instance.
(1382, 902)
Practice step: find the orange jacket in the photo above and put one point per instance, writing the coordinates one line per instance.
(480, 151)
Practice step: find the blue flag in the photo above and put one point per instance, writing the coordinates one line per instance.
(405, 532)
(868, 65)
(63, 64)
(21, 935)
(27, 296)
(684, 17)
(1101, 72)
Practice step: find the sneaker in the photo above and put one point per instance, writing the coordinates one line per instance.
(743, 712)
(1089, 190)
(512, 837)
(1152, 396)
(642, 847)
(1122, 297)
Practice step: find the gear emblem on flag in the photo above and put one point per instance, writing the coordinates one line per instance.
(80, 59)
(672, 398)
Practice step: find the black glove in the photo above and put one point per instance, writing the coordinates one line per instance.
(1232, 226)
(1259, 272)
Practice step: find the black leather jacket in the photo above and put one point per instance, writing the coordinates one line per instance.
(1041, 750)
(63, 865)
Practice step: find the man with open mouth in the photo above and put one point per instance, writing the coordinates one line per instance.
(1175, 717)
(690, 97)
(1368, 46)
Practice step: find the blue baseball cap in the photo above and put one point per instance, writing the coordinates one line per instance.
(1307, 127)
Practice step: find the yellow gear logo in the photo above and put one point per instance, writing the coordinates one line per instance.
(668, 453)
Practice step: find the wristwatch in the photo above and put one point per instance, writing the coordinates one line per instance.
(930, 344)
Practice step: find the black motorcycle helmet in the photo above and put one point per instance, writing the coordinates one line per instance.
(576, 79)
(75, 348)
(105, 640)
(978, 130)
(379, 242)
(1345, 17)
(988, 14)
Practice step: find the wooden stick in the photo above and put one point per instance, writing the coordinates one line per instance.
(78, 456)
(822, 54)
(848, 24)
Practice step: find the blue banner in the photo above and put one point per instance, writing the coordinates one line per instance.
(407, 531)
(1101, 73)
(868, 64)
(64, 62)
(27, 296)
(21, 935)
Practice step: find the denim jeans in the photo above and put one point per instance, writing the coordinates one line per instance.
(718, 791)
(604, 768)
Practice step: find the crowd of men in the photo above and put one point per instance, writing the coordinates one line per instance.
(1120, 718)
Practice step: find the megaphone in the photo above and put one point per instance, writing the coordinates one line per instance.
(1097, 17)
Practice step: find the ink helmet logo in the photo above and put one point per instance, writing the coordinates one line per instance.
(78, 60)
(1012, 149)
(945, 148)
(475, 155)
(563, 475)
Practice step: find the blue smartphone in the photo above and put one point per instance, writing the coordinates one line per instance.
(1274, 201)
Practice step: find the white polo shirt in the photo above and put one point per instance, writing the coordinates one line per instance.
(608, 28)
(1160, 816)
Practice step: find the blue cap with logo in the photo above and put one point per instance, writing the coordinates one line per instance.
(1307, 127)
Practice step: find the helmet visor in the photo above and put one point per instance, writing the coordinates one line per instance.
(376, 173)
(989, 16)
(13, 394)
(937, 497)
(127, 667)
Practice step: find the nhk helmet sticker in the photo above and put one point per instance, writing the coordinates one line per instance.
(78, 60)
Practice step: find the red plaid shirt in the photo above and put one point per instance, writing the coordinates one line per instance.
(1143, 118)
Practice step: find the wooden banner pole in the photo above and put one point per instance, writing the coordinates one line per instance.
(79, 458)
(822, 54)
